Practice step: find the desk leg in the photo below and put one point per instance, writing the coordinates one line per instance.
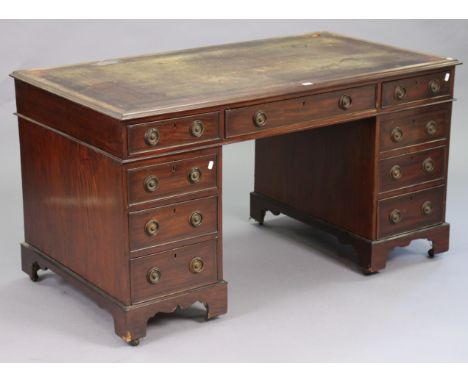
(372, 254)
(130, 321)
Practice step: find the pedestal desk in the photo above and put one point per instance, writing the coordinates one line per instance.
(121, 161)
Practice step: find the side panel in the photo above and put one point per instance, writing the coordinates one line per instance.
(74, 207)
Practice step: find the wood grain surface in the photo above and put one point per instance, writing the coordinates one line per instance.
(413, 126)
(74, 208)
(411, 169)
(409, 206)
(174, 267)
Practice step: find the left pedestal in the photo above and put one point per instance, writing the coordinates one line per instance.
(138, 236)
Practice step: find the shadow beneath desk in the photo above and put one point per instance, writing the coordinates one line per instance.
(285, 258)
(196, 312)
(52, 308)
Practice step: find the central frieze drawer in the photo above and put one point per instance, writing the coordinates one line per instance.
(252, 119)
(162, 225)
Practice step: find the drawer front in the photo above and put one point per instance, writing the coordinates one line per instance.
(413, 127)
(153, 136)
(411, 169)
(416, 88)
(257, 118)
(411, 211)
(175, 270)
(172, 178)
(173, 222)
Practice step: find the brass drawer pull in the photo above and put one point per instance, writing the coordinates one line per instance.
(197, 128)
(395, 216)
(152, 227)
(196, 265)
(260, 118)
(431, 128)
(426, 208)
(151, 183)
(152, 136)
(196, 219)
(434, 86)
(397, 134)
(400, 93)
(395, 172)
(345, 102)
(154, 275)
(428, 165)
(195, 175)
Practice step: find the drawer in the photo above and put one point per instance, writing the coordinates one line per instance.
(271, 115)
(415, 126)
(175, 270)
(162, 225)
(172, 178)
(416, 88)
(411, 169)
(153, 136)
(411, 211)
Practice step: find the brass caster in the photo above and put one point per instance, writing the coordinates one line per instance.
(33, 275)
(207, 315)
(134, 342)
(369, 272)
(260, 218)
(210, 318)
(431, 253)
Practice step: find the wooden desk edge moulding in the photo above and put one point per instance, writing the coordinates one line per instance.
(122, 161)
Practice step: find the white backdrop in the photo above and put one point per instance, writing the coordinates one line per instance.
(291, 297)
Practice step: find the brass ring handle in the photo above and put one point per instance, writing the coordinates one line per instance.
(152, 227)
(196, 219)
(345, 102)
(260, 118)
(395, 216)
(154, 275)
(195, 175)
(428, 165)
(426, 208)
(197, 128)
(151, 183)
(152, 136)
(400, 92)
(395, 172)
(196, 265)
(431, 127)
(397, 134)
(434, 86)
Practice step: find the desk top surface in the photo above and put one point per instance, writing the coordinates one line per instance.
(156, 84)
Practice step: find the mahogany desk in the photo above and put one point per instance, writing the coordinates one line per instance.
(121, 161)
